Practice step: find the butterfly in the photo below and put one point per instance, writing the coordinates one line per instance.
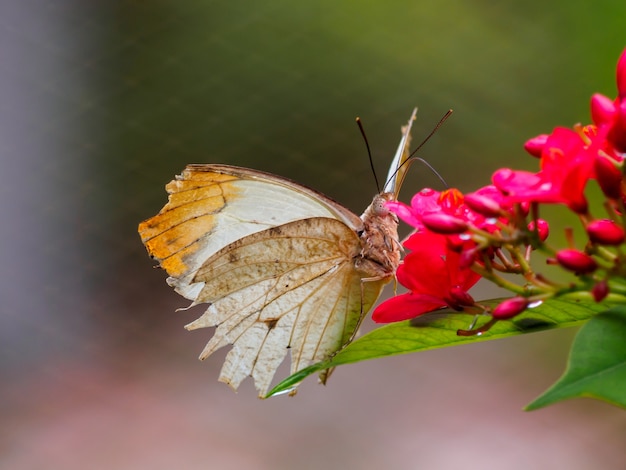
(281, 267)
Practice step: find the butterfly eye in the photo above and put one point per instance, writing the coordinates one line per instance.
(378, 206)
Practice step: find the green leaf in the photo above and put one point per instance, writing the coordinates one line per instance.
(597, 363)
(439, 329)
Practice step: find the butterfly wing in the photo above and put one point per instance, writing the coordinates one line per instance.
(273, 259)
(211, 206)
(290, 288)
(397, 169)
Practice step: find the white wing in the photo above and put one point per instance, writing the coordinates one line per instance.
(211, 206)
(396, 170)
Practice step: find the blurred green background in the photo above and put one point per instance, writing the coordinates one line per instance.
(101, 103)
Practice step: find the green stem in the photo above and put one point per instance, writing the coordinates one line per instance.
(605, 254)
(521, 260)
(490, 275)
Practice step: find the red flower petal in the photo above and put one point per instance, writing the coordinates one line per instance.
(609, 177)
(621, 75)
(404, 307)
(602, 109)
(535, 145)
(617, 134)
(440, 222)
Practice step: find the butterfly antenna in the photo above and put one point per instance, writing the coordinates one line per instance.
(430, 167)
(435, 129)
(369, 153)
(411, 159)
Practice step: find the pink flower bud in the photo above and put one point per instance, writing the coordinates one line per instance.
(444, 224)
(602, 109)
(467, 258)
(576, 261)
(460, 297)
(600, 290)
(509, 308)
(609, 177)
(605, 232)
(482, 205)
(535, 145)
(617, 134)
(543, 229)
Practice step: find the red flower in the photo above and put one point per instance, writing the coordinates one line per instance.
(566, 165)
(424, 202)
(437, 271)
(433, 274)
(617, 134)
(440, 205)
(612, 114)
(570, 158)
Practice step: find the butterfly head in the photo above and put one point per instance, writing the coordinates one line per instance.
(378, 207)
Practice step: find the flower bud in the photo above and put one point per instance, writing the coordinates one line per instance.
(509, 308)
(609, 177)
(444, 224)
(535, 145)
(576, 261)
(602, 109)
(543, 229)
(460, 297)
(467, 258)
(482, 205)
(605, 232)
(617, 134)
(600, 290)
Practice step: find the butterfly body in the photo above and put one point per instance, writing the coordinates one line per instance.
(280, 267)
(381, 249)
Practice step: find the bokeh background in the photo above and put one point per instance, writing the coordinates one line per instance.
(102, 102)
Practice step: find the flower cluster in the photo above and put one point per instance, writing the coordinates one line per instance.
(460, 238)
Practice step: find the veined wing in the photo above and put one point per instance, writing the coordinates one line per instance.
(292, 287)
(211, 206)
